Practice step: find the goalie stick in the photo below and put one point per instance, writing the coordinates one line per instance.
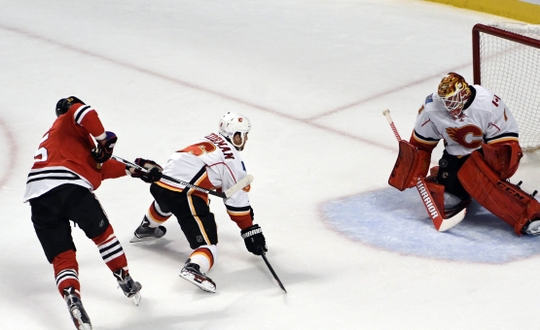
(263, 255)
(241, 184)
(440, 223)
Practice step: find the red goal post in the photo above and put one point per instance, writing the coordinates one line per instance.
(506, 60)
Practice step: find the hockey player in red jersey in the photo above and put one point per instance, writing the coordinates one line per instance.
(68, 167)
(481, 152)
(212, 162)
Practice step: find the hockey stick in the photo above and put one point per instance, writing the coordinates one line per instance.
(440, 223)
(241, 184)
(263, 255)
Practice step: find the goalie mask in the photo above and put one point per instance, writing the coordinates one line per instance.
(454, 92)
(63, 105)
(232, 123)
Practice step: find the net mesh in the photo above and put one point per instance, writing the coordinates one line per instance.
(512, 71)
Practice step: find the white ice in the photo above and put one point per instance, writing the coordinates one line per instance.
(313, 77)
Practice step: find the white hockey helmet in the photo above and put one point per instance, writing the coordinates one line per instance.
(232, 123)
(454, 92)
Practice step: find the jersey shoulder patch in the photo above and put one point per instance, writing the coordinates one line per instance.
(429, 98)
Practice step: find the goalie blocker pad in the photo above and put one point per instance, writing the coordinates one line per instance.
(504, 199)
(411, 163)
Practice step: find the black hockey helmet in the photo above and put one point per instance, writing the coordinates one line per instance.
(63, 105)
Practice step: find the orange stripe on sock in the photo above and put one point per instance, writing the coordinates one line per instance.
(206, 253)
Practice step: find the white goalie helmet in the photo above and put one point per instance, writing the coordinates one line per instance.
(232, 123)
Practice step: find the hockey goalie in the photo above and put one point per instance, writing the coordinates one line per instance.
(481, 153)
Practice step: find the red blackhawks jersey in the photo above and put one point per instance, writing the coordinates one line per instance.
(211, 163)
(63, 155)
(485, 120)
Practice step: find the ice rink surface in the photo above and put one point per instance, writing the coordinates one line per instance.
(313, 77)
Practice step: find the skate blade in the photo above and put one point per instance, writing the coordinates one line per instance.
(136, 239)
(201, 283)
(78, 316)
(137, 298)
(85, 326)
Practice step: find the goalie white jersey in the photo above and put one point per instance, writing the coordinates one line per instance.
(211, 163)
(485, 120)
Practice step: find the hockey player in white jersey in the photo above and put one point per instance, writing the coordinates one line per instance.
(481, 152)
(213, 162)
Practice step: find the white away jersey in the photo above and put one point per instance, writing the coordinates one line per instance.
(212, 162)
(486, 120)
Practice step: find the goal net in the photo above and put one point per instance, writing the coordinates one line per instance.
(506, 60)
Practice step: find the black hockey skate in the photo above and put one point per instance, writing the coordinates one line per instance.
(130, 287)
(76, 309)
(145, 233)
(192, 273)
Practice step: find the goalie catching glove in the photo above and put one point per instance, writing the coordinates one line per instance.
(152, 173)
(104, 149)
(254, 239)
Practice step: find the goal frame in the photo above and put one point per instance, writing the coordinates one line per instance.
(497, 32)
(494, 31)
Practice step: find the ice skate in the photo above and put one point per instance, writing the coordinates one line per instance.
(192, 273)
(452, 211)
(76, 309)
(145, 233)
(130, 287)
(532, 227)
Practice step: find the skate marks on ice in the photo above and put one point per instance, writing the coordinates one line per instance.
(397, 221)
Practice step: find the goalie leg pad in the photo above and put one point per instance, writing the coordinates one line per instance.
(504, 199)
(503, 157)
(411, 163)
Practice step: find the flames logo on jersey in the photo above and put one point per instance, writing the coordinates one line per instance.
(469, 136)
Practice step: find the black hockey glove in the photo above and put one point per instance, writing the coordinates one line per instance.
(104, 149)
(254, 239)
(154, 170)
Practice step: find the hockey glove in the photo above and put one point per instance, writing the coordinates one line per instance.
(254, 239)
(154, 170)
(104, 149)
